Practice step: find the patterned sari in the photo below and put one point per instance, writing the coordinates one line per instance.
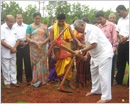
(37, 55)
(83, 76)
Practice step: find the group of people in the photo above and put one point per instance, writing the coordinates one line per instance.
(97, 44)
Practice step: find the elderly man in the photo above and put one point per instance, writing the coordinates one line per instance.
(101, 52)
(9, 43)
(112, 18)
(123, 48)
(23, 51)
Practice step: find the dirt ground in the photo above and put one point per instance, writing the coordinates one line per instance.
(49, 94)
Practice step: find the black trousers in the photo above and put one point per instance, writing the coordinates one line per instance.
(113, 68)
(23, 53)
(122, 58)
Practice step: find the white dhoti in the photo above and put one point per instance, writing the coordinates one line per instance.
(9, 70)
(101, 78)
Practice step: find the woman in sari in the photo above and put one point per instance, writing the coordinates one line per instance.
(37, 37)
(83, 77)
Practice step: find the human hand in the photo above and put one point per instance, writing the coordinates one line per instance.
(76, 52)
(13, 50)
(124, 40)
(53, 57)
(80, 44)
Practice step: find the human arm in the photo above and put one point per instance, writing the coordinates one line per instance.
(8, 46)
(114, 38)
(51, 39)
(89, 47)
(74, 37)
(28, 36)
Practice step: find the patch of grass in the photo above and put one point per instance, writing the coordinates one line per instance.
(21, 102)
(125, 80)
(127, 66)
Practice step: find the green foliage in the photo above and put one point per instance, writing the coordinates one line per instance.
(28, 14)
(72, 11)
(11, 8)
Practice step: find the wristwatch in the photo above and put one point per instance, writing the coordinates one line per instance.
(80, 51)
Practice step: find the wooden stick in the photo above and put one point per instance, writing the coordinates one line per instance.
(53, 43)
(70, 50)
(70, 66)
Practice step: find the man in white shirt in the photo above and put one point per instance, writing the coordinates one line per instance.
(123, 48)
(23, 51)
(101, 52)
(9, 42)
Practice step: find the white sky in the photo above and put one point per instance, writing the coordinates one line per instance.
(105, 5)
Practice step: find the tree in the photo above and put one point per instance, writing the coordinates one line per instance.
(28, 14)
(56, 7)
(11, 8)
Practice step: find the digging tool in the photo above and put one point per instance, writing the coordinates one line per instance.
(69, 68)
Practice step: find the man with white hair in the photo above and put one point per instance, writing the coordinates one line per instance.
(101, 52)
(9, 42)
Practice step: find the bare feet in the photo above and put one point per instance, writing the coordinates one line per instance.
(90, 93)
(103, 101)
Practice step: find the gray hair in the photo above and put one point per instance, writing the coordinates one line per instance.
(8, 17)
(112, 14)
(78, 23)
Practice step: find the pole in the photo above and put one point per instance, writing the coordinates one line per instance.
(2, 10)
(43, 12)
(39, 6)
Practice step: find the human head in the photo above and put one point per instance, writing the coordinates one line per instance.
(79, 25)
(121, 11)
(100, 17)
(85, 19)
(37, 18)
(19, 19)
(9, 21)
(112, 18)
(2, 21)
(61, 19)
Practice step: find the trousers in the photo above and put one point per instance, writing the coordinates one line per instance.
(101, 78)
(9, 70)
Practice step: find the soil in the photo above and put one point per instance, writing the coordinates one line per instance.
(49, 94)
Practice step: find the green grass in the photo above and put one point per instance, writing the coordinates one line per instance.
(21, 102)
(125, 80)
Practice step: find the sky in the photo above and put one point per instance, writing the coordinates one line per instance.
(105, 5)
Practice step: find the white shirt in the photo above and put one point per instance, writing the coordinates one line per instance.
(103, 49)
(72, 27)
(123, 26)
(21, 30)
(10, 37)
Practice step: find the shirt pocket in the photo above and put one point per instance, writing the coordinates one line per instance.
(15, 36)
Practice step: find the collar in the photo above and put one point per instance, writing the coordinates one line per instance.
(107, 22)
(6, 26)
(21, 24)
